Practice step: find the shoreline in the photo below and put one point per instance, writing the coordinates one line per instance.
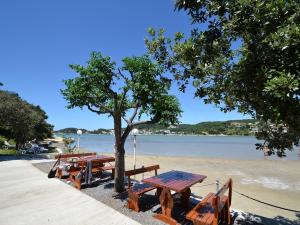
(263, 159)
(141, 134)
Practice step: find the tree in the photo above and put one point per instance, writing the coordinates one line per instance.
(22, 121)
(68, 144)
(137, 88)
(242, 55)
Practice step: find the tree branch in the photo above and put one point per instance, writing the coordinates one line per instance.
(100, 105)
(96, 111)
(110, 91)
(122, 75)
(122, 99)
(131, 74)
(154, 120)
(143, 122)
(126, 133)
(137, 105)
(127, 121)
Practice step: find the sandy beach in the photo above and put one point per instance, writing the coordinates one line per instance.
(273, 181)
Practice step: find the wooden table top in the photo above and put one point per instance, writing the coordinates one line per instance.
(175, 180)
(98, 158)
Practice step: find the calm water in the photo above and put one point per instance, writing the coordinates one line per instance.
(229, 147)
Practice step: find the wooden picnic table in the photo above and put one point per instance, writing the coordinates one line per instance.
(96, 167)
(177, 181)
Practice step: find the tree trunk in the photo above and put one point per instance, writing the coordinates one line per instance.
(119, 155)
(120, 168)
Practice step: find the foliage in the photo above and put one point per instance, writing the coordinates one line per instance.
(8, 152)
(241, 55)
(22, 121)
(2, 139)
(137, 88)
(100, 131)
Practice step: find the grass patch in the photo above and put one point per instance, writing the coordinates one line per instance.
(8, 152)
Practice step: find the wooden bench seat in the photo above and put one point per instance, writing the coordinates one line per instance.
(138, 189)
(213, 208)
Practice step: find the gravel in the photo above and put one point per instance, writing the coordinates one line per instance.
(102, 190)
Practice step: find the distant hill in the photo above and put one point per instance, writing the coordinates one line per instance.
(230, 127)
(71, 130)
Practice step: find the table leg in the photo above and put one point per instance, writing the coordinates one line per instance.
(185, 197)
(158, 192)
(166, 202)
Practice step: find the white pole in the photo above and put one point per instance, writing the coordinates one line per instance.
(79, 132)
(134, 148)
(217, 185)
(78, 144)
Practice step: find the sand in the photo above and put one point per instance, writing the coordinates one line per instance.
(273, 181)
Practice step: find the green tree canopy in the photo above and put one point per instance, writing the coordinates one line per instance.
(22, 121)
(241, 55)
(137, 88)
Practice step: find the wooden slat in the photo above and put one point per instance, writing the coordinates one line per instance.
(141, 170)
(207, 211)
(196, 210)
(223, 189)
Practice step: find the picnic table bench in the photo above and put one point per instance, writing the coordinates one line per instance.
(213, 207)
(138, 189)
(97, 167)
(177, 181)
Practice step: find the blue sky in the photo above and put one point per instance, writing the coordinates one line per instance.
(39, 39)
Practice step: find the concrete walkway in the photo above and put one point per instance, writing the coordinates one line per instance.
(28, 197)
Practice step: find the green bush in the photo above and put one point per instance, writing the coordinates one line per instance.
(2, 139)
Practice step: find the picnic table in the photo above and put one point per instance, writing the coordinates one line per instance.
(177, 181)
(76, 160)
(82, 168)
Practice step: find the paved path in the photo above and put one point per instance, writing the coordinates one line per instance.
(28, 197)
